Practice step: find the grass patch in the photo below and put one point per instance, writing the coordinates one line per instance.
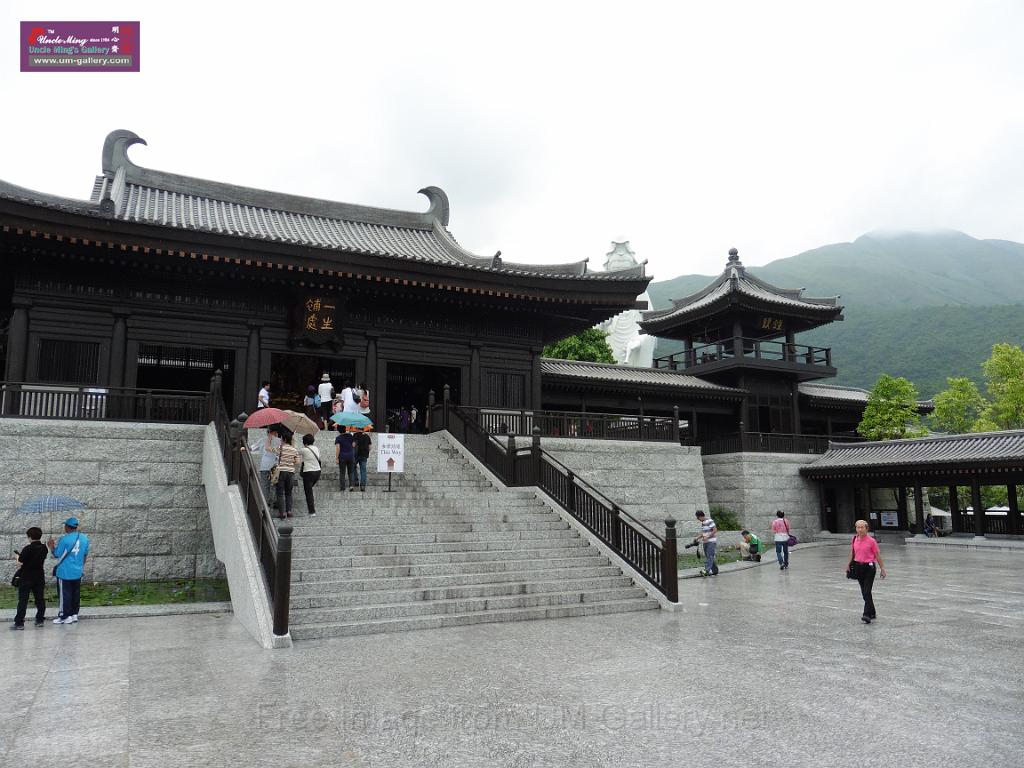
(134, 593)
(723, 555)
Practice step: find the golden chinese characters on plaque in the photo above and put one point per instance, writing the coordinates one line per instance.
(318, 318)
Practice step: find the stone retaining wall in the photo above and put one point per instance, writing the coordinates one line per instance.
(755, 485)
(146, 514)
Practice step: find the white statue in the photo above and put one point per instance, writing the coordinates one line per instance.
(629, 345)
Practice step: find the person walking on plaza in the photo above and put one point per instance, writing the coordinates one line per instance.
(71, 551)
(709, 538)
(362, 445)
(344, 451)
(33, 580)
(310, 471)
(326, 394)
(780, 533)
(864, 555)
(288, 461)
(263, 398)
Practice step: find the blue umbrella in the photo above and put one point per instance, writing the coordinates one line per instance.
(38, 504)
(350, 419)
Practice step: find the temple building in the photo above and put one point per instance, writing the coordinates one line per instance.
(158, 279)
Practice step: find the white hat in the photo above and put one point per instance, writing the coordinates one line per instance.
(325, 377)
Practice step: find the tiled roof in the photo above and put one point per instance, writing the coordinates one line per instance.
(629, 375)
(128, 192)
(834, 392)
(735, 281)
(1002, 448)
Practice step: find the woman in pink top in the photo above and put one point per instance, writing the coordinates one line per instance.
(863, 556)
(780, 533)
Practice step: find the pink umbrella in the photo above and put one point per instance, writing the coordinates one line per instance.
(264, 417)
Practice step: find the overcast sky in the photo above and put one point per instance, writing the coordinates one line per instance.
(556, 127)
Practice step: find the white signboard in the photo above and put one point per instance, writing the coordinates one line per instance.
(890, 520)
(390, 452)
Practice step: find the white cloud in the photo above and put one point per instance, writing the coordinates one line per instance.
(687, 128)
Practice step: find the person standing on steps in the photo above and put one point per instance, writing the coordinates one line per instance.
(362, 445)
(70, 551)
(364, 401)
(864, 555)
(709, 538)
(310, 471)
(344, 451)
(263, 398)
(288, 461)
(780, 533)
(326, 394)
(350, 403)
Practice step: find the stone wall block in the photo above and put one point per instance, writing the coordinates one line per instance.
(170, 567)
(107, 569)
(172, 519)
(162, 451)
(174, 473)
(121, 473)
(147, 543)
(209, 567)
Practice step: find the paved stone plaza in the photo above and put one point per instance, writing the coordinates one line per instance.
(797, 680)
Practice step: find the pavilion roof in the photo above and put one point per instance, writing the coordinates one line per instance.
(625, 374)
(735, 284)
(981, 450)
(131, 193)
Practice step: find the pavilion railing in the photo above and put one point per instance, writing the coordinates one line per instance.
(748, 349)
(273, 545)
(595, 426)
(33, 400)
(766, 442)
(652, 556)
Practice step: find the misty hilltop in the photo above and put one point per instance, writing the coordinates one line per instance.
(925, 305)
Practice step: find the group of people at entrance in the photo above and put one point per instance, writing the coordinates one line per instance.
(323, 401)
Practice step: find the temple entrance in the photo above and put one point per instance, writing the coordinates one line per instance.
(292, 375)
(183, 368)
(409, 384)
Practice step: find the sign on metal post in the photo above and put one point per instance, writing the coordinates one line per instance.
(390, 454)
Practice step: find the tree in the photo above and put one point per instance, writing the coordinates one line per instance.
(1004, 379)
(891, 411)
(958, 407)
(591, 345)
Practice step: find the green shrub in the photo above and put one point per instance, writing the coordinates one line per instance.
(725, 519)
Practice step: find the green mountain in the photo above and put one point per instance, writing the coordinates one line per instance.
(921, 305)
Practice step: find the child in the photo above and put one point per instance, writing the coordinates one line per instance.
(750, 547)
(31, 559)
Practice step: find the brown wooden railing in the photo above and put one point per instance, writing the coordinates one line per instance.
(747, 349)
(33, 400)
(652, 556)
(766, 442)
(273, 545)
(595, 426)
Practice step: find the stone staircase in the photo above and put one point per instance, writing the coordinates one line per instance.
(445, 548)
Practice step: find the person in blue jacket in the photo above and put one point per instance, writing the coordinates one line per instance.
(70, 551)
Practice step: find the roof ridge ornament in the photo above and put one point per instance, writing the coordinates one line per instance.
(439, 206)
(115, 149)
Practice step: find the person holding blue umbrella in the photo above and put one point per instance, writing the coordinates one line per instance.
(72, 549)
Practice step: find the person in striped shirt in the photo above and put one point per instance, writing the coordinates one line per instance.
(709, 537)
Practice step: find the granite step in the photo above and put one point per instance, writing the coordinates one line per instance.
(325, 523)
(346, 539)
(390, 597)
(346, 614)
(493, 545)
(348, 629)
(357, 573)
(410, 527)
(309, 561)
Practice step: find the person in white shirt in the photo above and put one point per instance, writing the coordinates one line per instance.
(348, 397)
(263, 398)
(326, 392)
(310, 470)
(709, 537)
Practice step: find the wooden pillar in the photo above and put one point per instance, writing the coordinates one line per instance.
(901, 507)
(1013, 523)
(867, 511)
(956, 519)
(979, 509)
(796, 408)
(535, 388)
(918, 507)
(17, 340)
(828, 425)
(370, 370)
(252, 365)
(737, 338)
(474, 373)
(118, 340)
(688, 352)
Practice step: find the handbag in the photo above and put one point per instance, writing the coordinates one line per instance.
(275, 474)
(16, 578)
(792, 541)
(851, 569)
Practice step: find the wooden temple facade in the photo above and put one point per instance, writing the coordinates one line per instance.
(158, 279)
